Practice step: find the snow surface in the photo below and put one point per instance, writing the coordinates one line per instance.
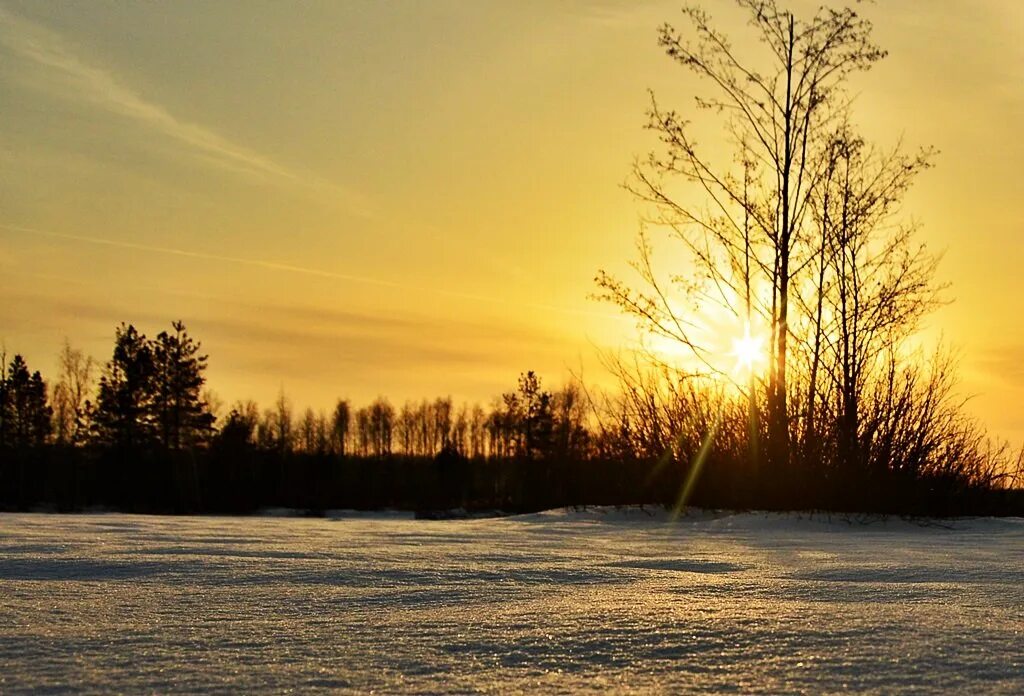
(598, 600)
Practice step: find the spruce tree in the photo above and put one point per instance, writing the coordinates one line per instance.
(26, 414)
(123, 415)
(182, 418)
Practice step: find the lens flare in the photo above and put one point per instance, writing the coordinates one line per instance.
(749, 352)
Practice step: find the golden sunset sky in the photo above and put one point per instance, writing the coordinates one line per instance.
(412, 198)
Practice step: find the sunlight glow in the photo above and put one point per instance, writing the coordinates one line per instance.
(749, 351)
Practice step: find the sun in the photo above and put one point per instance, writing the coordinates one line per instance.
(749, 352)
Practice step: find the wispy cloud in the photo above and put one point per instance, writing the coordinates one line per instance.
(171, 251)
(411, 289)
(46, 49)
(1003, 364)
(354, 342)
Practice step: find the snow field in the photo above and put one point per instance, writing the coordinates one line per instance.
(560, 602)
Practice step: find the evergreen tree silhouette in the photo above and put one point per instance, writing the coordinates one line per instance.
(123, 417)
(181, 416)
(26, 415)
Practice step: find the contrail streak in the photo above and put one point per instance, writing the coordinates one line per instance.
(290, 268)
(47, 49)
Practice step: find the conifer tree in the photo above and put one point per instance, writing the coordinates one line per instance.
(536, 418)
(26, 414)
(181, 415)
(123, 415)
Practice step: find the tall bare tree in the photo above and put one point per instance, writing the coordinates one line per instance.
(749, 238)
(874, 282)
(340, 422)
(71, 394)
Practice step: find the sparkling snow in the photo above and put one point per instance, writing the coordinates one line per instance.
(599, 600)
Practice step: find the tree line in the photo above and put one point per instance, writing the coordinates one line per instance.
(142, 432)
(150, 395)
(528, 421)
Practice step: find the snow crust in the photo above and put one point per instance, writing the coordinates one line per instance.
(560, 602)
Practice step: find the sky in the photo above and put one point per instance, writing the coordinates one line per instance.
(411, 199)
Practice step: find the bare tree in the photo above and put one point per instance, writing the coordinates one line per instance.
(874, 283)
(340, 426)
(749, 240)
(382, 420)
(460, 430)
(307, 435)
(363, 434)
(282, 428)
(441, 412)
(477, 431)
(71, 393)
(405, 428)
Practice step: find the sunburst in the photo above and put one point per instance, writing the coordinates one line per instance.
(749, 352)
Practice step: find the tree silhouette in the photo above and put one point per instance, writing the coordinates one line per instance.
(872, 282)
(26, 415)
(340, 421)
(537, 419)
(181, 415)
(5, 402)
(523, 424)
(379, 421)
(306, 435)
(570, 436)
(71, 404)
(276, 430)
(477, 431)
(124, 415)
(239, 429)
(753, 236)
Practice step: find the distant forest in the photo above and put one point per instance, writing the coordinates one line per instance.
(142, 434)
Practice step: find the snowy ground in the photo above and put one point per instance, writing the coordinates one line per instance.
(556, 602)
